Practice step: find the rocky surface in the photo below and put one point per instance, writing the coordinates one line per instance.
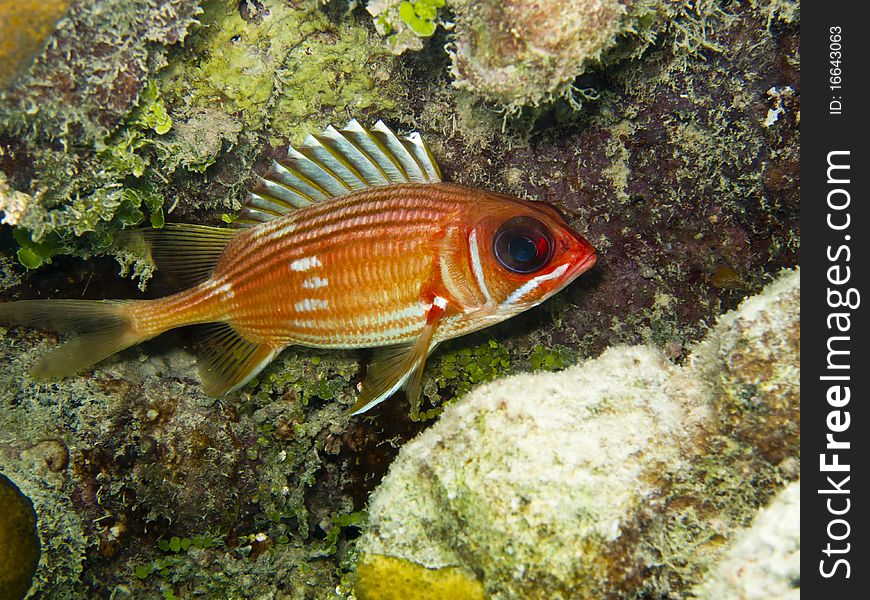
(622, 475)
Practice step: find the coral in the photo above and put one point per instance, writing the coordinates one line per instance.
(24, 27)
(390, 578)
(691, 200)
(764, 560)
(19, 543)
(620, 475)
(90, 75)
(132, 457)
(523, 53)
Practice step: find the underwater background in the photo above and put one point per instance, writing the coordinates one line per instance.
(635, 436)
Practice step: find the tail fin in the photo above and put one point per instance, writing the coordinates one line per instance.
(103, 327)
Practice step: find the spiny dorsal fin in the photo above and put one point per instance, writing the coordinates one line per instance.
(335, 163)
(230, 361)
(186, 252)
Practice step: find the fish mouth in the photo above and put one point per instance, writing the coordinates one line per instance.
(584, 265)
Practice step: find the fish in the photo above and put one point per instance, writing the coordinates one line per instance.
(351, 241)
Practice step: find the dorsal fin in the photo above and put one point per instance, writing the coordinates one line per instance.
(335, 163)
(186, 252)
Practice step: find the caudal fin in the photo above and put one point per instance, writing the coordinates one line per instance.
(101, 328)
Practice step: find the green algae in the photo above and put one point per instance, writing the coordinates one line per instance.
(405, 24)
(553, 358)
(458, 369)
(286, 69)
(421, 15)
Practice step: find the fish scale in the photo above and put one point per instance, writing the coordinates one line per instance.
(397, 261)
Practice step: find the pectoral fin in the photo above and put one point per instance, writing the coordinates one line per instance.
(397, 366)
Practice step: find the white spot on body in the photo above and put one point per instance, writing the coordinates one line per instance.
(226, 290)
(305, 263)
(313, 283)
(440, 302)
(310, 304)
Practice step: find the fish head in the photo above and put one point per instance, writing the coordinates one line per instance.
(523, 252)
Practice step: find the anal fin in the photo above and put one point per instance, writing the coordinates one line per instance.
(231, 361)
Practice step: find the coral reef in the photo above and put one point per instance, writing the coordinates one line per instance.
(623, 475)
(90, 74)
(764, 561)
(683, 172)
(19, 543)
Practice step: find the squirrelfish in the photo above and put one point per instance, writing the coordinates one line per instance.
(351, 241)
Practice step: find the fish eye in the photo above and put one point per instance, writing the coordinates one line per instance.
(523, 245)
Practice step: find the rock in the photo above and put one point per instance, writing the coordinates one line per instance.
(764, 562)
(624, 475)
(19, 543)
(527, 52)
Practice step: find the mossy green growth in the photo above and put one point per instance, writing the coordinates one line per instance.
(124, 151)
(35, 254)
(286, 69)
(173, 547)
(551, 359)
(458, 369)
(421, 15)
(405, 22)
(307, 374)
(19, 541)
(82, 204)
(340, 522)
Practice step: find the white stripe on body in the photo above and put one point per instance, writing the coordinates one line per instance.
(311, 304)
(477, 266)
(530, 285)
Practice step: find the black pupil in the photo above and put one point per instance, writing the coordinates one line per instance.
(522, 249)
(523, 245)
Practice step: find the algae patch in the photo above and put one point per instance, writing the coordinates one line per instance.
(381, 577)
(280, 66)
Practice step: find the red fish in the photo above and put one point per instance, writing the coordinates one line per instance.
(352, 241)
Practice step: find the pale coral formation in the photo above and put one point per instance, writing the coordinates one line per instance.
(764, 563)
(621, 475)
(525, 52)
